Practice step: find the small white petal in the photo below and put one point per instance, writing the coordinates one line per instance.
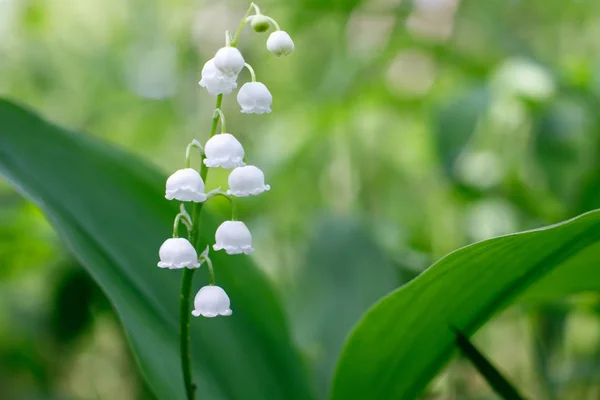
(186, 185)
(254, 98)
(178, 253)
(216, 81)
(280, 43)
(233, 237)
(211, 301)
(246, 181)
(229, 60)
(225, 151)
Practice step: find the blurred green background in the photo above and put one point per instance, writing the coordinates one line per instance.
(400, 131)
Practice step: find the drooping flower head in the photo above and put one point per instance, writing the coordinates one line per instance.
(216, 81)
(254, 98)
(233, 237)
(178, 253)
(280, 43)
(185, 185)
(229, 60)
(225, 151)
(211, 301)
(246, 181)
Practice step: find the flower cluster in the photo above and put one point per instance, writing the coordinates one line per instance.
(222, 150)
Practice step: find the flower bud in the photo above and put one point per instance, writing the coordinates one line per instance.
(225, 151)
(178, 253)
(211, 301)
(254, 98)
(280, 43)
(246, 181)
(260, 23)
(186, 185)
(216, 81)
(229, 60)
(233, 237)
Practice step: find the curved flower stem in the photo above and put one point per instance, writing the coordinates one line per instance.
(273, 22)
(211, 271)
(252, 73)
(218, 112)
(188, 151)
(231, 201)
(183, 219)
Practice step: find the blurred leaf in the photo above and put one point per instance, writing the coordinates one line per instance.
(73, 300)
(110, 208)
(456, 122)
(344, 273)
(405, 339)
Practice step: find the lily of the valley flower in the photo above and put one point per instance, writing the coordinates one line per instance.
(229, 60)
(211, 301)
(246, 181)
(178, 253)
(225, 151)
(233, 237)
(254, 98)
(216, 81)
(280, 43)
(186, 185)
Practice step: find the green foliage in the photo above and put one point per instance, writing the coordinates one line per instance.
(110, 208)
(404, 340)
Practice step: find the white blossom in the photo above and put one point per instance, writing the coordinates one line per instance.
(280, 43)
(211, 301)
(186, 185)
(246, 181)
(178, 253)
(254, 98)
(225, 151)
(216, 81)
(229, 60)
(233, 237)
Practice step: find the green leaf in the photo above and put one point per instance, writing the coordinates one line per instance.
(406, 338)
(110, 209)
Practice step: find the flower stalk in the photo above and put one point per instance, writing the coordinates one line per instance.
(219, 77)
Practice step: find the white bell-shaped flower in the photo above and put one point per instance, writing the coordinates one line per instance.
(246, 181)
(280, 43)
(178, 253)
(229, 60)
(216, 81)
(211, 301)
(254, 98)
(225, 151)
(186, 185)
(233, 237)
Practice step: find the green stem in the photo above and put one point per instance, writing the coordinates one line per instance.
(252, 73)
(231, 201)
(239, 30)
(211, 272)
(184, 338)
(219, 113)
(273, 22)
(186, 280)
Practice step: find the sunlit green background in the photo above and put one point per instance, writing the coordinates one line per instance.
(400, 131)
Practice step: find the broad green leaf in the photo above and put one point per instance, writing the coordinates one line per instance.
(406, 338)
(110, 209)
(343, 274)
